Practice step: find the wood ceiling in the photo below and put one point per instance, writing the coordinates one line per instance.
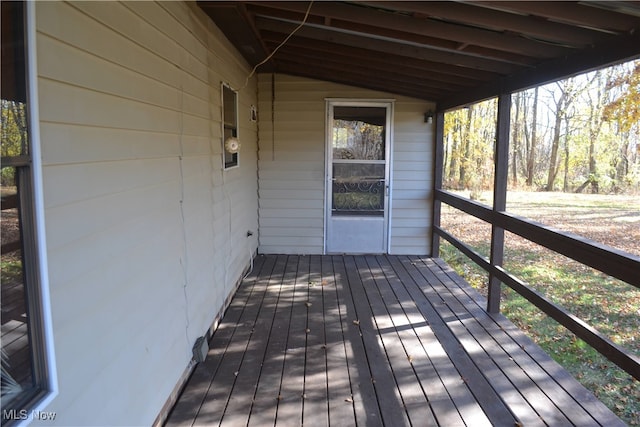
(453, 53)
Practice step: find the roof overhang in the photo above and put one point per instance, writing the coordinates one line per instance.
(454, 53)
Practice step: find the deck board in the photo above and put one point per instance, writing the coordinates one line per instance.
(374, 341)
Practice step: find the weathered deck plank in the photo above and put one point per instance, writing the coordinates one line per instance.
(374, 341)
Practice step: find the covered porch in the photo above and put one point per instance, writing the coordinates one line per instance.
(374, 340)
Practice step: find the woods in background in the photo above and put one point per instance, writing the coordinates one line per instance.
(577, 135)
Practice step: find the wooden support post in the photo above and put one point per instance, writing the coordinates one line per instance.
(438, 165)
(501, 159)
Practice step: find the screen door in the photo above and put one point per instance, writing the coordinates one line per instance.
(357, 178)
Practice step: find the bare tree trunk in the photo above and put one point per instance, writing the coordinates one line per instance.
(565, 186)
(515, 139)
(561, 104)
(531, 159)
(595, 126)
(466, 147)
(453, 165)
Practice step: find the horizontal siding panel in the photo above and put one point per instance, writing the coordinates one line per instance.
(418, 230)
(291, 185)
(292, 213)
(410, 156)
(279, 166)
(90, 253)
(63, 22)
(421, 194)
(416, 242)
(411, 185)
(67, 144)
(414, 204)
(65, 63)
(291, 232)
(86, 107)
(410, 213)
(71, 183)
(291, 204)
(402, 175)
(164, 22)
(414, 145)
(405, 249)
(122, 20)
(286, 175)
(411, 222)
(418, 166)
(277, 222)
(295, 243)
(304, 195)
(287, 155)
(91, 217)
(197, 21)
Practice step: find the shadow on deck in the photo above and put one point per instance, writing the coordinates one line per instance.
(374, 341)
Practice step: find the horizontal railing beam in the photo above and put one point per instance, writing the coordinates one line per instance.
(608, 260)
(623, 358)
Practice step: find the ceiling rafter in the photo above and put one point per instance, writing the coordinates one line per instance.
(387, 47)
(376, 18)
(453, 53)
(580, 14)
(387, 73)
(543, 29)
(423, 67)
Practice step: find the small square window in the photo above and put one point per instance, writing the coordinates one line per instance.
(230, 144)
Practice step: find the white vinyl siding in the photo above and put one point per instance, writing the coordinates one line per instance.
(292, 169)
(146, 236)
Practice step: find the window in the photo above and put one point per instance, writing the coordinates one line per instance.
(24, 366)
(230, 144)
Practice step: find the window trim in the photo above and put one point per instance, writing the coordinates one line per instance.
(236, 163)
(43, 299)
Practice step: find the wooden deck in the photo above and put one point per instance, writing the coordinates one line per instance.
(374, 341)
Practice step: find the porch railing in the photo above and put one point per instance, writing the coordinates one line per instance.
(610, 261)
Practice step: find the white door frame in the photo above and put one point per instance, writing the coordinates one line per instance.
(388, 104)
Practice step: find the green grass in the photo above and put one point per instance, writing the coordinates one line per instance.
(10, 271)
(609, 305)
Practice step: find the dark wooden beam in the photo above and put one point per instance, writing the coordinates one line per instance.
(376, 19)
(579, 14)
(438, 170)
(358, 79)
(388, 47)
(611, 261)
(623, 48)
(238, 27)
(450, 73)
(476, 15)
(501, 169)
(383, 71)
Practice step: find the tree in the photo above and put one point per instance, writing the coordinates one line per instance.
(13, 135)
(517, 100)
(624, 108)
(566, 93)
(531, 141)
